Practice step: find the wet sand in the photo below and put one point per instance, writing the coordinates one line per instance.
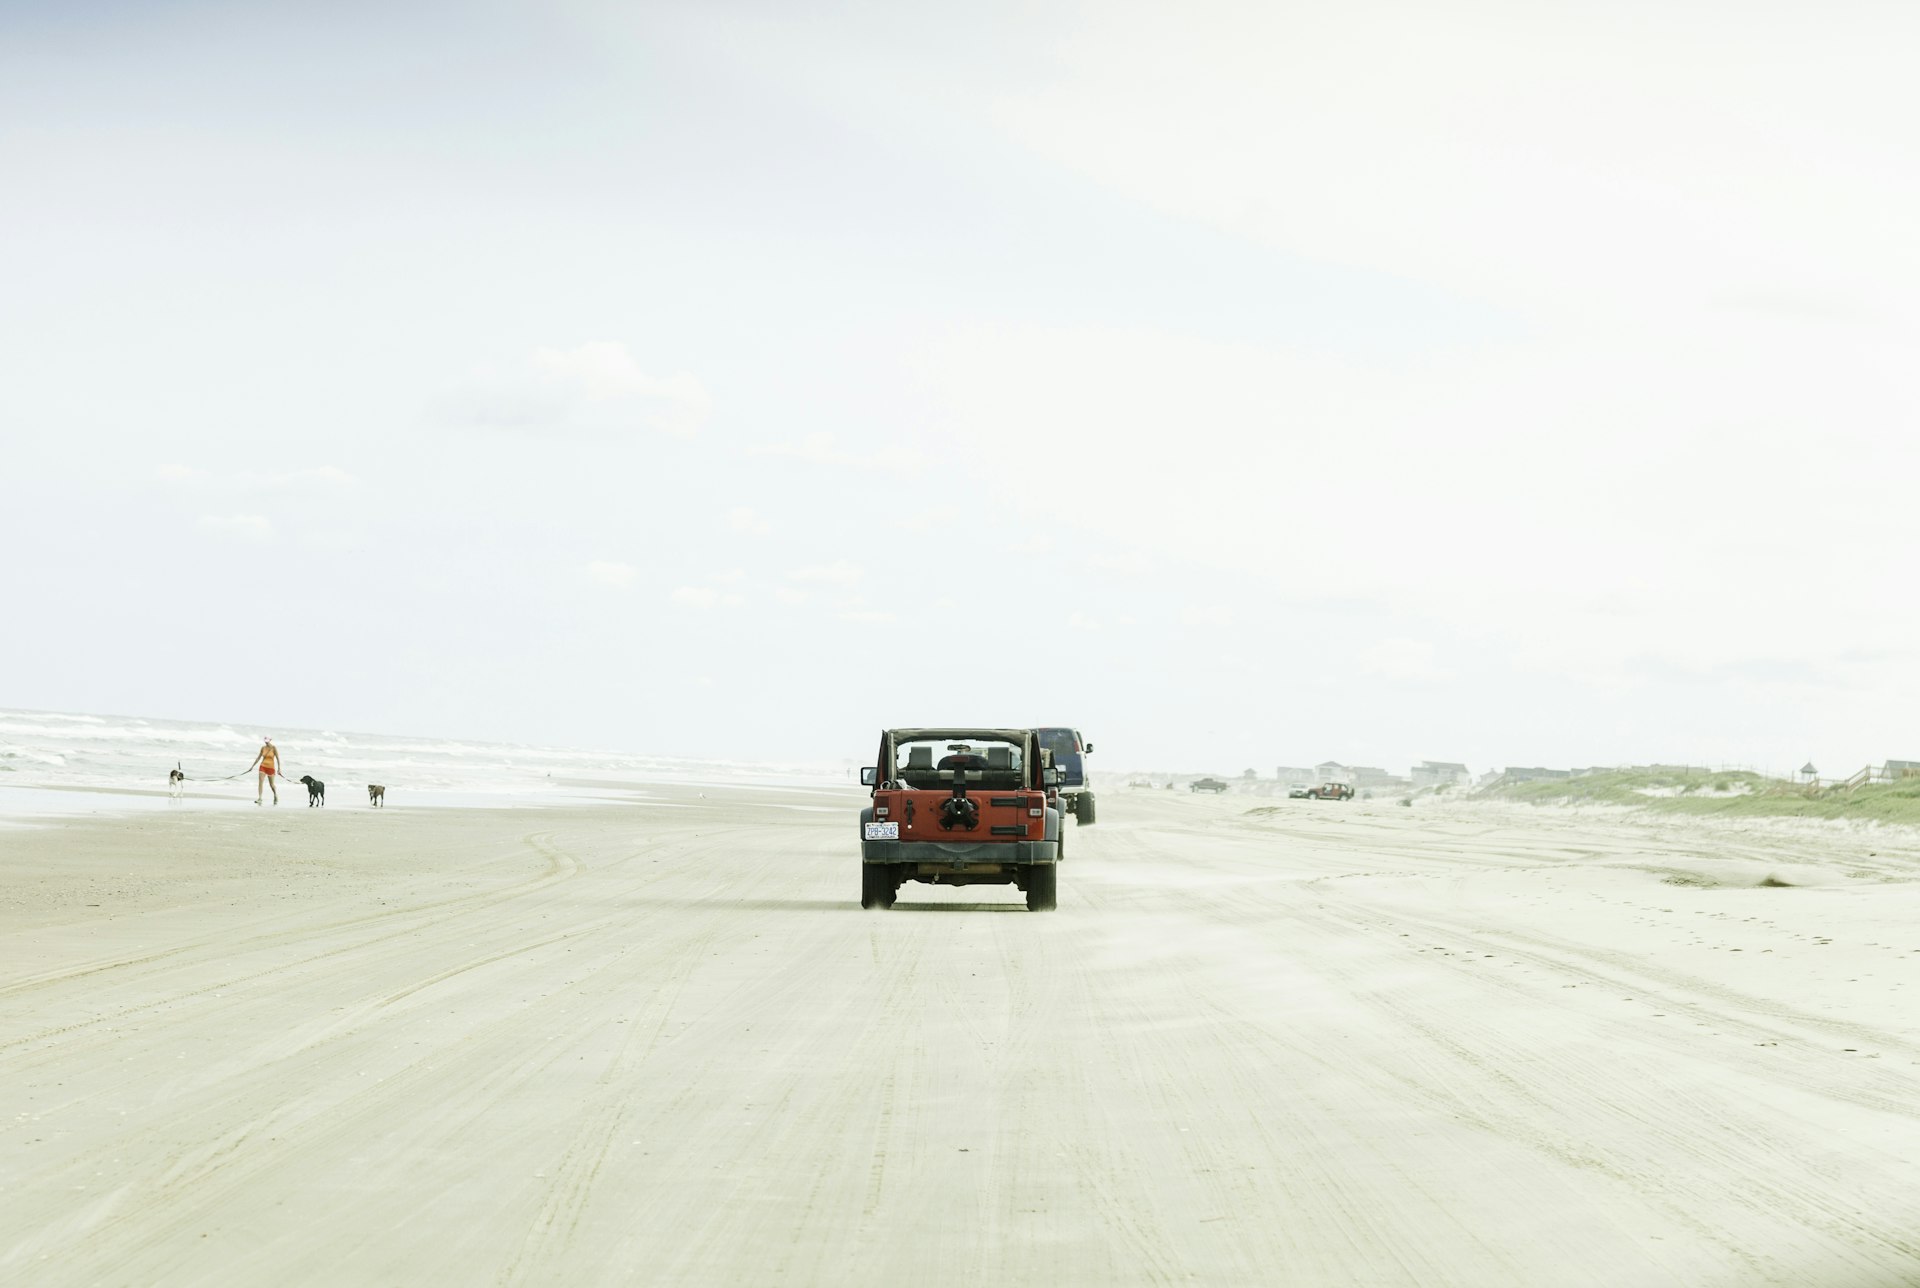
(659, 1042)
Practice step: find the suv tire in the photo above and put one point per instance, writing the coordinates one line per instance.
(1041, 886)
(1083, 809)
(877, 887)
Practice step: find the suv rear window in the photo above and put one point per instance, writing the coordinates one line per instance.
(1061, 742)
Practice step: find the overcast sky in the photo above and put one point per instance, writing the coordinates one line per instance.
(1246, 384)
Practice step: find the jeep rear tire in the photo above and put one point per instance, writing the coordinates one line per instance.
(1083, 809)
(877, 886)
(1041, 885)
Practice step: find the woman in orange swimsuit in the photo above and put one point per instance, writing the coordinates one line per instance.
(269, 762)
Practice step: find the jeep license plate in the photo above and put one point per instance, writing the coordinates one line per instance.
(883, 831)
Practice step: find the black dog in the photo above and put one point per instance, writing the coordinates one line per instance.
(316, 790)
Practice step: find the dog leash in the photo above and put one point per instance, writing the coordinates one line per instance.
(227, 778)
(279, 772)
(189, 778)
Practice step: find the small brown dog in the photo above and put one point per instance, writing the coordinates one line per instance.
(376, 795)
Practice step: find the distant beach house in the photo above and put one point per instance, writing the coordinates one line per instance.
(1361, 776)
(1531, 774)
(1439, 773)
(1294, 775)
(1901, 769)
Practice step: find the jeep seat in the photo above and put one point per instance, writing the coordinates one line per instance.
(1000, 771)
(919, 772)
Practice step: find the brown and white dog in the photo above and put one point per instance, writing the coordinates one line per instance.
(176, 780)
(376, 795)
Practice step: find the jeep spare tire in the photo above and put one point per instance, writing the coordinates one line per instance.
(1083, 808)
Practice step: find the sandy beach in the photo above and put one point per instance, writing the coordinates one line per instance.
(659, 1042)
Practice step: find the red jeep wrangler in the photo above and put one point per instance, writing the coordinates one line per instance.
(958, 806)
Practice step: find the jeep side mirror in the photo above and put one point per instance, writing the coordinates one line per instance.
(867, 775)
(1052, 777)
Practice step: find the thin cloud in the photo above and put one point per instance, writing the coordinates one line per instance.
(612, 574)
(1208, 615)
(249, 527)
(313, 478)
(319, 475)
(1400, 660)
(934, 518)
(1537, 186)
(606, 375)
(595, 387)
(817, 448)
(706, 597)
(837, 573)
(825, 449)
(741, 518)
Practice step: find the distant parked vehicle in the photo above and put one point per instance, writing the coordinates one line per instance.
(1331, 792)
(1206, 785)
(1299, 793)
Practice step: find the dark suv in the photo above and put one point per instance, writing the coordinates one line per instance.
(1068, 750)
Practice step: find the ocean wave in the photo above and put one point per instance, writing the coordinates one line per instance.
(65, 749)
(57, 715)
(36, 756)
(124, 733)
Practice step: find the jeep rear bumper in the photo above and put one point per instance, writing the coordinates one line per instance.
(961, 852)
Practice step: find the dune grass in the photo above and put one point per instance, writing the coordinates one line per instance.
(1704, 792)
